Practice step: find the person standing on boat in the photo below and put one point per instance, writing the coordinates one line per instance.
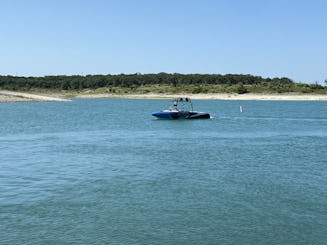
(175, 104)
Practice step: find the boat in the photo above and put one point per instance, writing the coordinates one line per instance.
(181, 108)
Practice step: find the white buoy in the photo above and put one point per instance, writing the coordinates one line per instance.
(241, 109)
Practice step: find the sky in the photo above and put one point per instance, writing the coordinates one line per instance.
(279, 38)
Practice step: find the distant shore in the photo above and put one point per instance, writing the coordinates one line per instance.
(13, 96)
(10, 96)
(209, 96)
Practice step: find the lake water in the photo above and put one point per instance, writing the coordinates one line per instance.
(103, 171)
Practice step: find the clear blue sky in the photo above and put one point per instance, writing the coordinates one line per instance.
(275, 38)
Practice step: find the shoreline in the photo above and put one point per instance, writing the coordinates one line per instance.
(13, 96)
(210, 96)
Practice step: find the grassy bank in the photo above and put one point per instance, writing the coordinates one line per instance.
(189, 89)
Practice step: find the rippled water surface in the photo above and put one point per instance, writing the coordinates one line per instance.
(103, 171)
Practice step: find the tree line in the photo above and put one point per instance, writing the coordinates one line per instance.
(77, 82)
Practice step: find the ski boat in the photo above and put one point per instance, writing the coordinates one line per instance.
(181, 108)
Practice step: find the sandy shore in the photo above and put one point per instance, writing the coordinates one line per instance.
(13, 96)
(294, 97)
(10, 96)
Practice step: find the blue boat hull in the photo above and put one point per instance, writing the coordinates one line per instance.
(181, 115)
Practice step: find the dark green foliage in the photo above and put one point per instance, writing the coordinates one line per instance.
(194, 83)
(122, 80)
(241, 89)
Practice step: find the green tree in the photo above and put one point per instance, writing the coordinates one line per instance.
(241, 89)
